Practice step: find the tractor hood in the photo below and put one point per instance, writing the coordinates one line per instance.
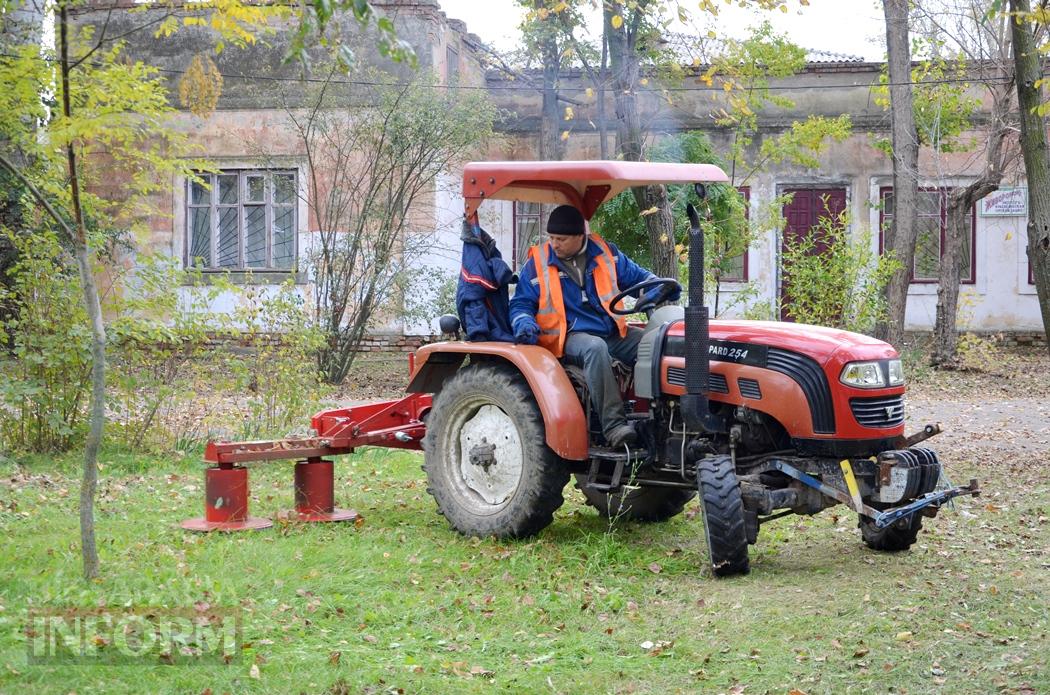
(821, 344)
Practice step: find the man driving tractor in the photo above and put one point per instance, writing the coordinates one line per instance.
(562, 303)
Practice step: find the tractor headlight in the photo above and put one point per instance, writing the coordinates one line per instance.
(896, 372)
(865, 375)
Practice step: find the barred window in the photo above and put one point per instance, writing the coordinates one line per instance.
(933, 222)
(736, 270)
(243, 219)
(527, 226)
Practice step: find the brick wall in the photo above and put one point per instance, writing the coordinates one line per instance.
(1002, 338)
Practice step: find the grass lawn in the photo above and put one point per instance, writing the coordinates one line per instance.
(404, 602)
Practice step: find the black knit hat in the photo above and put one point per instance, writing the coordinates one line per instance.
(565, 220)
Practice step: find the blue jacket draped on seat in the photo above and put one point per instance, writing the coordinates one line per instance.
(482, 297)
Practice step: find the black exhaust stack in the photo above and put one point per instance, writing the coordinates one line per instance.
(695, 408)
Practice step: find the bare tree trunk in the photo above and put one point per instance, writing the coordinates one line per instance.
(89, 481)
(1027, 63)
(900, 238)
(960, 203)
(626, 68)
(603, 76)
(552, 147)
(945, 336)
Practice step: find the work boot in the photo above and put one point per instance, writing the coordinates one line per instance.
(621, 434)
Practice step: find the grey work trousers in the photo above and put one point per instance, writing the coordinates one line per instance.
(594, 355)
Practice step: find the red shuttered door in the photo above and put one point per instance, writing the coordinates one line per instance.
(801, 215)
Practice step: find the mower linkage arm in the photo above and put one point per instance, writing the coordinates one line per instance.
(882, 518)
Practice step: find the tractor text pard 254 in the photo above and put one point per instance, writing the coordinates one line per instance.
(760, 419)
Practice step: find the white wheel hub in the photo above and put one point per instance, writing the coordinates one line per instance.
(490, 455)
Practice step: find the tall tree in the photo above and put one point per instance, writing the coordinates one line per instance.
(900, 237)
(1028, 66)
(544, 31)
(370, 169)
(631, 31)
(978, 43)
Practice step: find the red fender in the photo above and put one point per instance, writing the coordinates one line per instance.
(563, 417)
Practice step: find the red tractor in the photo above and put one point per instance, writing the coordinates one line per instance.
(761, 419)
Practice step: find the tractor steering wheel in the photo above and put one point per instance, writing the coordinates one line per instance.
(668, 286)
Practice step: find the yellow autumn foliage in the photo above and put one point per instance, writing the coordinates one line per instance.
(200, 86)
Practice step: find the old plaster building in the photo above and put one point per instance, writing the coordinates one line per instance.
(258, 218)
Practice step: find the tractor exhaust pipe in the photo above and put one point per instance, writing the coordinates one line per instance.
(695, 407)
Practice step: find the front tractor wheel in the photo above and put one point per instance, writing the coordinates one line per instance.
(896, 537)
(723, 511)
(486, 459)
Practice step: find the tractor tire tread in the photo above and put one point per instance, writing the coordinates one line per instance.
(893, 539)
(723, 510)
(645, 504)
(544, 474)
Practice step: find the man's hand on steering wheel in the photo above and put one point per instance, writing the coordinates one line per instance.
(646, 303)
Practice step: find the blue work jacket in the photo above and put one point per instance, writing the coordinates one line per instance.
(583, 309)
(481, 293)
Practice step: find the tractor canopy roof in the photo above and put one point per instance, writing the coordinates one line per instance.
(585, 184)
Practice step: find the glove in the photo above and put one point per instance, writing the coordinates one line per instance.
(527, 332)
(651, 295)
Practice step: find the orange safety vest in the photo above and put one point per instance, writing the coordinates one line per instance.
(551, 313)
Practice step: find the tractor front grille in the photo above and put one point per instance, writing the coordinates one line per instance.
(880, 412)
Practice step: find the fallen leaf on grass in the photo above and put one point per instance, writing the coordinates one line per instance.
(904, 636)
(863, 651)
(655, 568)
(334, 657)
(254, 671)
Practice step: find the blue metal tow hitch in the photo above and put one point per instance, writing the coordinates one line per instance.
(883, 517)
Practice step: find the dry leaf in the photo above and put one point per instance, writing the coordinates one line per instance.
(254, 671)
(655, 568)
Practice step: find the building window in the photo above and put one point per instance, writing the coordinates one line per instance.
(526, 230)
(242, 220)
(451, 65)
(736, 267)
(933, 227)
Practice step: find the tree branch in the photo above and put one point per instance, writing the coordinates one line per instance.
(39, 196)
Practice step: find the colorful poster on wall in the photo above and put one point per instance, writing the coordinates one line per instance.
(1005, 202)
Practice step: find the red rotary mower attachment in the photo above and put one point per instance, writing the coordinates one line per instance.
(394, 424)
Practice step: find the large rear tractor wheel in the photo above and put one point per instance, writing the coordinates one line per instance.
(894, 538)
(640, 504)
(486, 459)
(723, 512)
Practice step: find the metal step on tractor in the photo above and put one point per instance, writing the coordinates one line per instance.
(759, 419)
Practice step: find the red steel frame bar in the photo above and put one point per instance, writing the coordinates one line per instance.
(393, 424)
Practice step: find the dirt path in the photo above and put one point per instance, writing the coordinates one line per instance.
(1021, 425)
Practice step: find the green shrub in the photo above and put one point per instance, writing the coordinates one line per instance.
(156, 338)
(44, 383)
(833, 281)
(277, 373)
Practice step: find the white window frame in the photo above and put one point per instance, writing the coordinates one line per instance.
(269, 204)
